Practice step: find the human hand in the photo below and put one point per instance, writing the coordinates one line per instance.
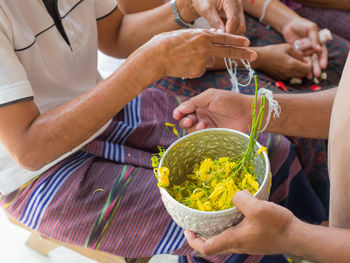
(283, 61)
(266, 229)
(303, 28)
(215, 108)
(232, 9)
(188, 53)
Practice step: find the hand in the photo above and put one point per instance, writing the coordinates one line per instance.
(188, 53)
(211, 11)
(303, 28)
(266, 229)
(233, 9)
(283, 61)
(215, 108)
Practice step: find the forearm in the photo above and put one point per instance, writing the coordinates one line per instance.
(277, 14)
(136, 29)
(340, 4)
(134, 6)
(62, 129)
(304, 115)
(317, 243)
(339, 154)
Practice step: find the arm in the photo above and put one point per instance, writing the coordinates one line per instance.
(35, 139)
(121, 35)
(340, 4)
(303, 115)
(339, 154)
(271, 229)
(135, 6)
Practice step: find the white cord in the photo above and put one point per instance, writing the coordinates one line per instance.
(266, 5)
(232, 71)
(273, 106)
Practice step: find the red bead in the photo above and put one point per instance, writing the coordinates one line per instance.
(280, 84)
(315, 87)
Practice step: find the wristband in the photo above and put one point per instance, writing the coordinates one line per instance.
(177, 17)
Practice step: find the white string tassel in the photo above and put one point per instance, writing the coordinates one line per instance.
(232, 71)
(273, 106)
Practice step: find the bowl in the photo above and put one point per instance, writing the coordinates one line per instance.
(180, 158)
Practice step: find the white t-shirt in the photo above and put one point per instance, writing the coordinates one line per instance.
(36, 62)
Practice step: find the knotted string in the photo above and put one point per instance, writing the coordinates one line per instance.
(273, 106)
(232, 71)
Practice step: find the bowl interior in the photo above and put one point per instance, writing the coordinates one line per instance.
(182, 155)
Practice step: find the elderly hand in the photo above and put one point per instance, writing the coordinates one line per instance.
(215, 108)
(211, 10)
(233, 10)
(303, 28)
(283, 61)
(188, 53)
(264, 230)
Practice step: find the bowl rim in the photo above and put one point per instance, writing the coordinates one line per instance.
(266, 176)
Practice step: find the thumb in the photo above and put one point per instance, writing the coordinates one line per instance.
(213, 18)
(245, 202)
(191, 105)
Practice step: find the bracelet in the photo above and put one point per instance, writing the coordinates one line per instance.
(273, 106)
(266, 5)
(177, 17)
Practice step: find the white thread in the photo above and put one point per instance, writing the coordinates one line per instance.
(266, 5)
(273, 106)
(232, 71)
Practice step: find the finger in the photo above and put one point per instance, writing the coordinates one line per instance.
(313, 35)
(222, 242)
(302, 68)
(199, 126)
(245, 202)
(234, 52)
(296, 53)
(235, 23)
(190, 106)
(224, 39)
(324, 57)
(188, 121)
(308, 60)
(316, 68)
(213, 18)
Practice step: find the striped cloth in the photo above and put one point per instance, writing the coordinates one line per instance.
(105, 197)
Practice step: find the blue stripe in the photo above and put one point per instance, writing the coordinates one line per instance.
(35, 195)
(50, 196)
(41, 197)
(51, 190)
(170, 239)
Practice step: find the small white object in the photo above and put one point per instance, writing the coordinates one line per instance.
(315, 80)
(324, 76)
(294, 81)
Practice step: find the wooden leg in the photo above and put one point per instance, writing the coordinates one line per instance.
(40, 245)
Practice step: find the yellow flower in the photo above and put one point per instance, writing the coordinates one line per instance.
(163, 177)
(262, 149)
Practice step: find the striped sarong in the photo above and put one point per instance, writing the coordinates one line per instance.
(105, 197)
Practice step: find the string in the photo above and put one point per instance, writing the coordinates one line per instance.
(266, 5)
(273, 106)
(232, 71)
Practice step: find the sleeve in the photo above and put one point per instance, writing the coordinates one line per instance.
(14, 84)
(104, 8)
